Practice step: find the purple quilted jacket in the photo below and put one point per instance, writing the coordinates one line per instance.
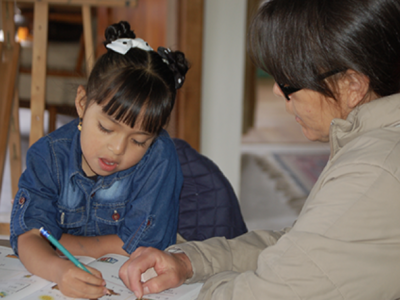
(208, 205)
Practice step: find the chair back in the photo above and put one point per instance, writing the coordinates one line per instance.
(208, 205)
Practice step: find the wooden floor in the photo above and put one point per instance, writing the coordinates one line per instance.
(272, 123)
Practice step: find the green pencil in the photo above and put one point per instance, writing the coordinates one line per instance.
(64, 251)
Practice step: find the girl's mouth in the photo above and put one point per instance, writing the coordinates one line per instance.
(107, 165)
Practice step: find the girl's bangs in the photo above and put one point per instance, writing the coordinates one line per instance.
(140, 98)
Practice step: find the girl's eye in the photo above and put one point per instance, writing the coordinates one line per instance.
(103, 129)
(141, 144)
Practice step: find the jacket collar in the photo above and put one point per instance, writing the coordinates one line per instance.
(75, 162)
(379, 113)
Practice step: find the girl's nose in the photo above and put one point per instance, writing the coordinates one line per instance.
(117, 146)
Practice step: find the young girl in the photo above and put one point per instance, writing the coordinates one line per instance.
(110, 181)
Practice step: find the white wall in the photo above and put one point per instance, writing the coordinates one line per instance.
(223, 85)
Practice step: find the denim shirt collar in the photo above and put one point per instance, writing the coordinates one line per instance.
(75, 164)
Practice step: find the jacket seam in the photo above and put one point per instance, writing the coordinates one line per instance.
(279, 276)
(56, 163)
(316, 265)
(136, 232)
(361, 196)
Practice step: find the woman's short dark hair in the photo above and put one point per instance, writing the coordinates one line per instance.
(296, 41)
(139, 81)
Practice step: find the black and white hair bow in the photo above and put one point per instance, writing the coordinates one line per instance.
(123, 45)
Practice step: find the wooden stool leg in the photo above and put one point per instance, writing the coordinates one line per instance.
(8, 72)
(9, 57)
(88, 35)
(52, 117)
(39, 57)
(81, 54)
(14, 142)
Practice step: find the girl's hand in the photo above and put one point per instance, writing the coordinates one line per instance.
(77, 283)
(40, 259)
(172, 270)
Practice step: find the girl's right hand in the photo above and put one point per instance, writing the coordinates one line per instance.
(40, 259)
(77, 283)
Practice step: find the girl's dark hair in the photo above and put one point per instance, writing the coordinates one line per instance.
(139, 81)
(297, 41)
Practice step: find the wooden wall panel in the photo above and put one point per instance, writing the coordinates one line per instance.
(250, 81)
(147, 20)
(190, 39)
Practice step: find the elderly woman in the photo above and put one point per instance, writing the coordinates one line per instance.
(337, 68)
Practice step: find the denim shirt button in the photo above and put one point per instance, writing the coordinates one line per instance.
(21, 201)
(92, 195)
(115, 216)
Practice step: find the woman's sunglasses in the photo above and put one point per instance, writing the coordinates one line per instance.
(287, 90)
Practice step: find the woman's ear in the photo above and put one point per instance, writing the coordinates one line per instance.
(356, 88)
(80, 101)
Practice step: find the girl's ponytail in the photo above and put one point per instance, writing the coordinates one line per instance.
(118, 31)
(176, 62)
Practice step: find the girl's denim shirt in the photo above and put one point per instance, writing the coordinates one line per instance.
(140, 204)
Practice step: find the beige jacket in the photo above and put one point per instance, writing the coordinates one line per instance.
(346, 241)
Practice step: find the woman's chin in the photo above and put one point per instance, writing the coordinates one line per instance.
(314, 137)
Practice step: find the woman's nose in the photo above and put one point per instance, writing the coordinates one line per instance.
(277, 91)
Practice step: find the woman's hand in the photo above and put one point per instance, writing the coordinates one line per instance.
(77, 283)
(172, 270)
